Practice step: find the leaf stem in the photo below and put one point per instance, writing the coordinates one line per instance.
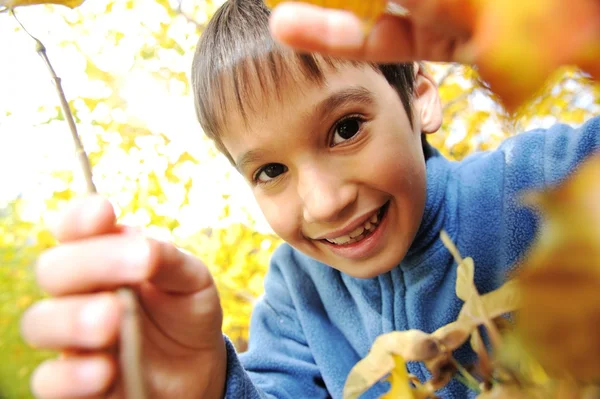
(469, 380)
(130, 342)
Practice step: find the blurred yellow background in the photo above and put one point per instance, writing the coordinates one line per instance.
(125, 67)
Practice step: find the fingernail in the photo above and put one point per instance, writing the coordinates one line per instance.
(92, 317)
(91, 374)
(137, 259)
(94, 204)
(397, 9)
(343, 34)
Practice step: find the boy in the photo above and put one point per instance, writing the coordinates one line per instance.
(335, 155)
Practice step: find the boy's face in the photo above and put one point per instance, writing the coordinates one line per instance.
(337, 169)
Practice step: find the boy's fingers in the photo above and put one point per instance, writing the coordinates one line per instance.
(104, 262)
(86, 217)
(340, 33)
(73, 377)
(85, 322)
(179, 272)
(114, 260)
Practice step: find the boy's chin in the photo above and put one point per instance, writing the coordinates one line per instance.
(366, 269)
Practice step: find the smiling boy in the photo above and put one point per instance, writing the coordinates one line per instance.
(335, 154)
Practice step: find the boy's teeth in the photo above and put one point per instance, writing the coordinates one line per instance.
(340, 240)
(357, 231)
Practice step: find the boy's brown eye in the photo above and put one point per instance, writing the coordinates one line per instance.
(346, 129)
(269, 172)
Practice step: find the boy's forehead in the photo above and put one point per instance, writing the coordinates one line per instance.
(299, 91)
(299, 101)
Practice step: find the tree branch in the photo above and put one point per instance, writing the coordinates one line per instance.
(189, 18)
(130, 348)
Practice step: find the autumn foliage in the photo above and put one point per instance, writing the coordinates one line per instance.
(163, 176)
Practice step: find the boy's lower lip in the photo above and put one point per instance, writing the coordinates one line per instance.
(367, 245)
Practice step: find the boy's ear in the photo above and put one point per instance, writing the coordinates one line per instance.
(426, 104)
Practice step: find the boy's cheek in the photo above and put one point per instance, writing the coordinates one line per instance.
(281, 217)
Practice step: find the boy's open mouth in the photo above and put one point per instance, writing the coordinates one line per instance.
(361, 232)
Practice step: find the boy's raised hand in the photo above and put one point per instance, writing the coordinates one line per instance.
(431, 32)
(497, 36)
(183, 347)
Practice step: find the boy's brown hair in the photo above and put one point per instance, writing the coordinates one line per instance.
(237, 62)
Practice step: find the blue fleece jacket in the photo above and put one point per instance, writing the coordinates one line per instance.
(315, 323)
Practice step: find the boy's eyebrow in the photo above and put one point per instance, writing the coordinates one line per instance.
(340, 98)
(248, 158)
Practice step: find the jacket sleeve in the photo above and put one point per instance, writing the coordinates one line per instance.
(535, 160)
(565, 148)
(278, 363)
(545, 157)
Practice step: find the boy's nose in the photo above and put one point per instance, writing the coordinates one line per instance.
(326, 198)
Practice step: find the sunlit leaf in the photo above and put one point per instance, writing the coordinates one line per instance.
(504, 37)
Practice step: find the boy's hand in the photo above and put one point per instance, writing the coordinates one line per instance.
(497, 36)
(183, 349)
(430, 32)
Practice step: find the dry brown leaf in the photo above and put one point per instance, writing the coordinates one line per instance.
(505, 299)
(465, 273)
(453, 335)
(467, 291)
(485, 363)
(411, 345)
(20, 3)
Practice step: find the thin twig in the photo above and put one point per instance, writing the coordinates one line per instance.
(471, 381)
(68, 115)
(189, 18)
(130, 342)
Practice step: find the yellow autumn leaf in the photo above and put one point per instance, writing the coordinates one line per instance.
(565, 32)
(20, 3)
(563, 333)
(399, 381)
(411, 345)
(560, 277)
(517, 359)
